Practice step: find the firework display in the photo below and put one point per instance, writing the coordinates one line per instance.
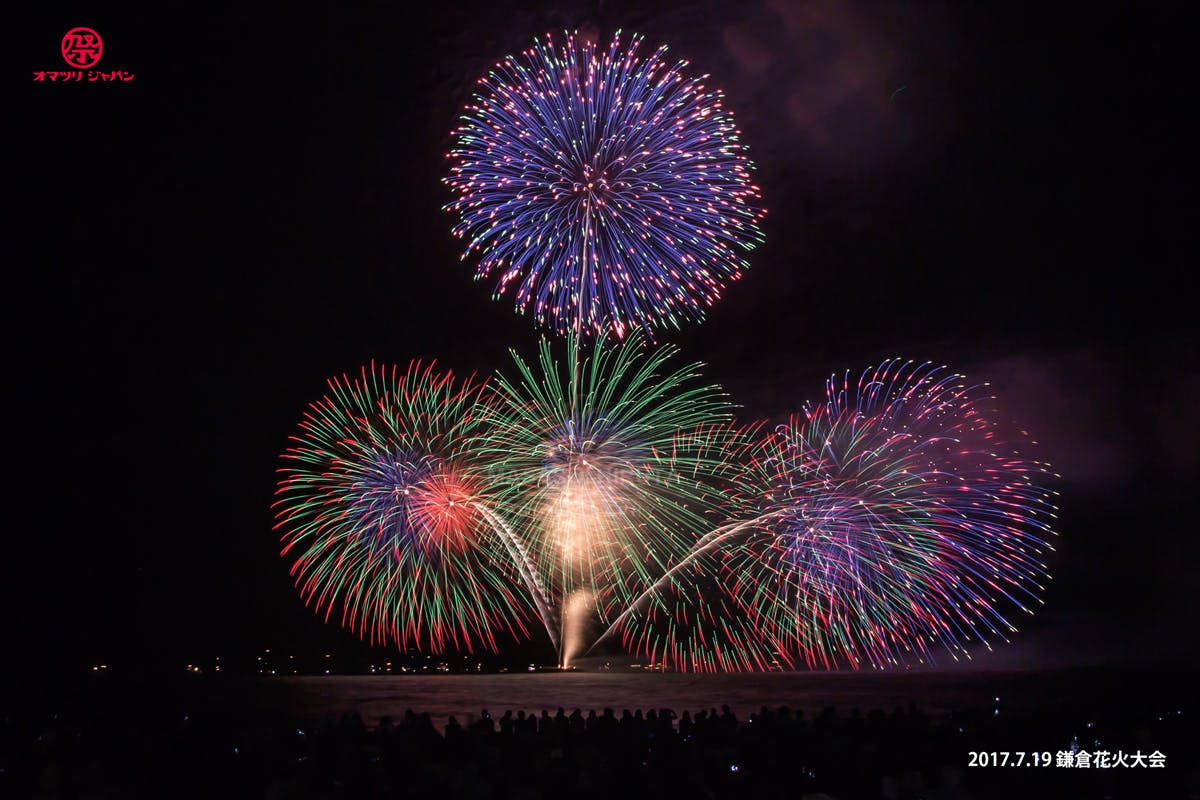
(882, 525)
(885, 523)
(606, 494)
(893, 520)
(384, 517)
(605, 187)
(599, 470)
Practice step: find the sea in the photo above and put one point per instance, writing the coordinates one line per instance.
(935, 693)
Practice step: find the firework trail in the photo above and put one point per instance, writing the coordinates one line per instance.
(609, 190)
(687, 618)
(606, 492)
(385, 519)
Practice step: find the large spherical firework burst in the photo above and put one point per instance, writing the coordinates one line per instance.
(606, 187)
(893, 520)
(593, 471)
(883, 524)
(383, 517)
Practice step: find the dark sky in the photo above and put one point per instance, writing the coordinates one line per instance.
(193, 253)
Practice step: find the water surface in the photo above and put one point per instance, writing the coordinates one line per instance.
(935, 693)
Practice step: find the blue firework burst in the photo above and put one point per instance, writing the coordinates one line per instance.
(606, 188)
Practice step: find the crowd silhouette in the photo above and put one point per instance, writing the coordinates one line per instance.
(606, 753)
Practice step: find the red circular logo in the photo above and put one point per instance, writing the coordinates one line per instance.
(81, 47)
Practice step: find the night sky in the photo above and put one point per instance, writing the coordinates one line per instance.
(193, 253)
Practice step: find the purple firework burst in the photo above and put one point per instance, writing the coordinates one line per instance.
(606, 187)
